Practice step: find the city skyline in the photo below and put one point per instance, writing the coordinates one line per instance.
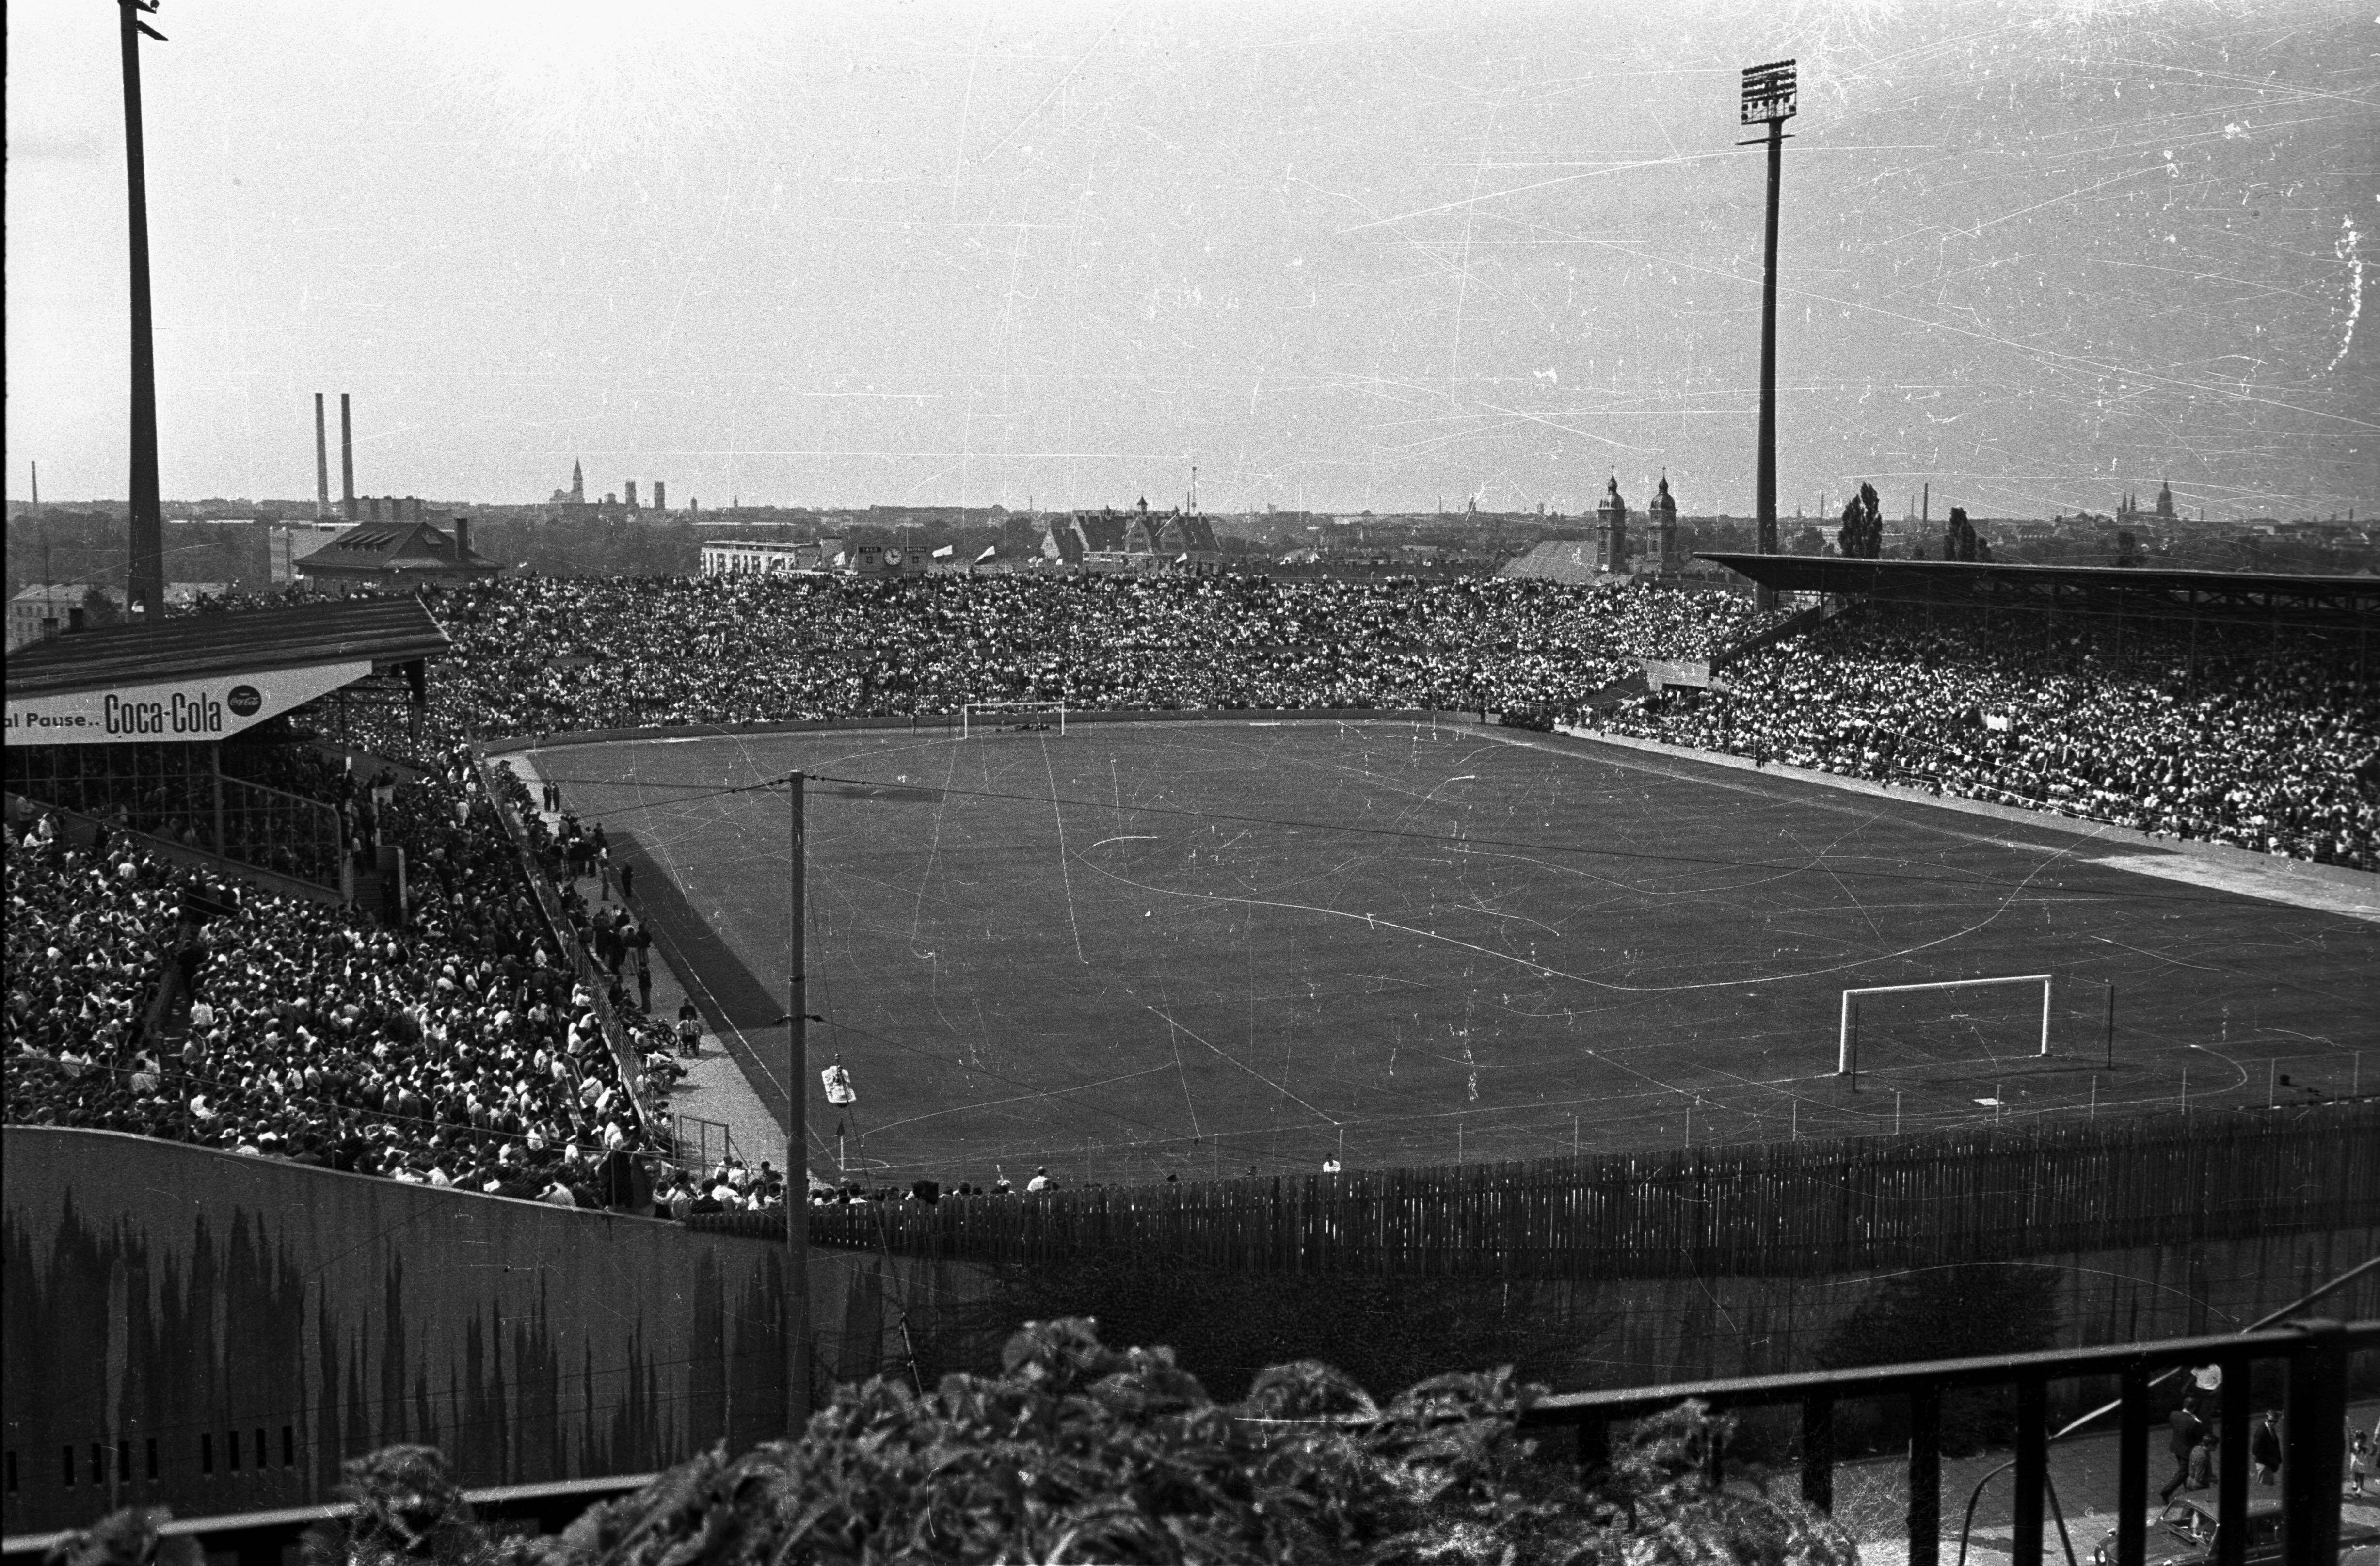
(2035, 255)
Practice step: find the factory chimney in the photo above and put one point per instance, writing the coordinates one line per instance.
(322, 464)
(346, 459)
(462, 541)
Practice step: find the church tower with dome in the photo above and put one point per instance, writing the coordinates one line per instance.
(2128, 513)
(1611, 529)
(1661, 527)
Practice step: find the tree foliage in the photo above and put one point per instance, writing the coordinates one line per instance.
(1862, 534)
(1960, 541)
(1075, 1452)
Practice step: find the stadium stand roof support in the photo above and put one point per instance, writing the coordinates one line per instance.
(2348, 602)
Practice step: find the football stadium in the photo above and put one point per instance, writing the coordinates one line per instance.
(894, 1020)
(1674, 962)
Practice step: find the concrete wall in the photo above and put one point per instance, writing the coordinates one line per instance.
(159, 1292)
(1639, 1332)
(154, 1292)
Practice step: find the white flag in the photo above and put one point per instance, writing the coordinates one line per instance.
(944, 552)
(1182, 559)
(989, 551)
(838, 557)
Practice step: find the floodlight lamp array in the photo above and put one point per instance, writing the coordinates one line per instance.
(1769, 91)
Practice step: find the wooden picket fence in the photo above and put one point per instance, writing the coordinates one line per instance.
(1778, 1208)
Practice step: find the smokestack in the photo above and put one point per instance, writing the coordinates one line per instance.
(1926, 513)
(662, 504)
(322, 464)
(346, 459)
(657, 489)
(462, 539)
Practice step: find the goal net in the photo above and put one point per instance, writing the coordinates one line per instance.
(1931, 1009)
(979, 717)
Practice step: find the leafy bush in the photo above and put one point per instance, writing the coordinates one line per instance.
(129, 1537)
(406, 1508)
(1076, 1451)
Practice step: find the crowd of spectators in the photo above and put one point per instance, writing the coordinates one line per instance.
(455, 1048)
(2240, 737)
(463, 1045)
(2236, 735)
(549, 655)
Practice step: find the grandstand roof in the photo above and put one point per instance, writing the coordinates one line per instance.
(385, 630)
(2098, 590)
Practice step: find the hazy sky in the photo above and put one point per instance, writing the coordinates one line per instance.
(1370, 256)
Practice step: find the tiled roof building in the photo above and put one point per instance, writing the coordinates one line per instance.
(399, 554)
(1136, 543)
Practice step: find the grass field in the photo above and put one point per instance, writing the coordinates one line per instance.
(1147, 948)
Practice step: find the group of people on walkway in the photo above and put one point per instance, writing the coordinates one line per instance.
(2195, 1435)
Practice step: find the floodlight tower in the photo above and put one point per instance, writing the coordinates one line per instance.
(147, 577)
(1768, 94)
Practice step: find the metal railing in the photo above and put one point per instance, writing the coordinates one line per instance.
(701, 1144)
(264, 1538)
(2315, 1355)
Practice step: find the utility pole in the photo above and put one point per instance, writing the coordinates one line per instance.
(797, 1164)
(147, 577)
(1769, 96)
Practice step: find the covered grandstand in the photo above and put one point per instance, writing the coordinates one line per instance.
(2229, 595)
(180, 731)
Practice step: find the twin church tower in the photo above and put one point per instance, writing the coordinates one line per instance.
(1611, 552)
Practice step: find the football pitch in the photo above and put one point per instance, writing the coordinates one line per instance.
(1152, 948)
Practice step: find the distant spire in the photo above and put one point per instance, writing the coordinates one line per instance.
(577, 484)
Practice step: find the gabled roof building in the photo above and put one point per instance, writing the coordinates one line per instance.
(387, 555)
(1134, 543)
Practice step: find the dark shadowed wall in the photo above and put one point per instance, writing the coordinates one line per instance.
(255, 1323)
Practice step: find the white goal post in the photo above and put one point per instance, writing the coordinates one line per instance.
(1847, 1048)
(991, 717)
